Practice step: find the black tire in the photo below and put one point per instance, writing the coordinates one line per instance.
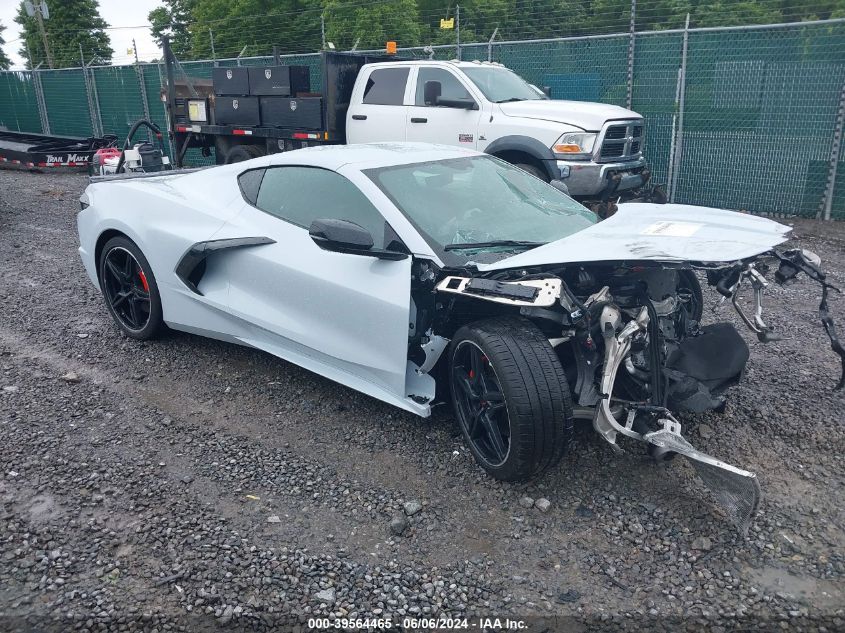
(658, 195)
(130, 289)
(240, 153)
(533, 170)
(688, 283)
(535, 398)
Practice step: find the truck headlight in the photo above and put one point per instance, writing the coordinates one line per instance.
(575, 145)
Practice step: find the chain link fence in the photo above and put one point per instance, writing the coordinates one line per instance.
(747, 118)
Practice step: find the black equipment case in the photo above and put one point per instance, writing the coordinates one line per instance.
(232, 82)
(237, 111)
(302, 113)
(279, 81)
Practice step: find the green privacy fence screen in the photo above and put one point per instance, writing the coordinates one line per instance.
(762, 106)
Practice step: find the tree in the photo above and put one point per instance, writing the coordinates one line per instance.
(173, 20)
(292, 25)
(5, 62)
(72, 23)
(371, 25)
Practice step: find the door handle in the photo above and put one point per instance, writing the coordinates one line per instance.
(418, 120)
(359, 117)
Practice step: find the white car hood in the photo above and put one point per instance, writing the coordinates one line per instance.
(588, 116)
(659, 232)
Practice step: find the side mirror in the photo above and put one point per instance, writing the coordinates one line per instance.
(560, 186)
(547, 90)
(343, 236)
(463, 104)
(431, 92)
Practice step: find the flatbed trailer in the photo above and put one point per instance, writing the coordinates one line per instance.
(26, 150)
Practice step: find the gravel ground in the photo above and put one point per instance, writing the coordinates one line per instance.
(188, 484)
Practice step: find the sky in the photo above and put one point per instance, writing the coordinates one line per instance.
(118, 13)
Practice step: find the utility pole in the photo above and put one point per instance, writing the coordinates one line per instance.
(40, 12)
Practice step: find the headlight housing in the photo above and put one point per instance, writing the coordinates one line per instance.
(575, 145)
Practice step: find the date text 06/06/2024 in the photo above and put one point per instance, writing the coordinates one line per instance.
(412, 623)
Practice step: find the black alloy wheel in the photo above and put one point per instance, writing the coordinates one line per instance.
(126, 288)
(129, 289)
(482, 410)
(510, 397)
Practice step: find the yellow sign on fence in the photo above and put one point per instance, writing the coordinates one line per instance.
(447, 24)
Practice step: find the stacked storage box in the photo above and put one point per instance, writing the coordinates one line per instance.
(268, 96)
(232, 103)
(279, 89)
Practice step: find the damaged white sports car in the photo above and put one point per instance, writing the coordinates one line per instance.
(415, 273)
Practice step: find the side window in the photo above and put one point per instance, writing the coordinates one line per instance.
(450, 86)
(301, 195)
(386, 86)
(249, 182)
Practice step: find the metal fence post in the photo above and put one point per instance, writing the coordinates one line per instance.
(490, 45)
(145, 105)
(88, 92)
(167, 135)
(834, 156)
(629, 96)
(677, 154)
(40, 101)
(458, 31)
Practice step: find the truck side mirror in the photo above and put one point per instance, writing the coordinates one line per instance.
(547, 90)
(431, 92)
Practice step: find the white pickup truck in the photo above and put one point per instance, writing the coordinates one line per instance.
(595, 149)
(487, 107)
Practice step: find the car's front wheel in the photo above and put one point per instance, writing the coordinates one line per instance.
(130, 289)
(510, 397)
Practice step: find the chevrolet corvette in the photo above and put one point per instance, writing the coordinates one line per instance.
(419, 274)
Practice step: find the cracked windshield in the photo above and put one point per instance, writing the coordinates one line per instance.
(479, 207)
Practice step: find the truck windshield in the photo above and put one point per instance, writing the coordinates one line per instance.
(501, 85)
(479, 207)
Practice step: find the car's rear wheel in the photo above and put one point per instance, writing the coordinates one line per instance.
(510, 397)
(130, 289)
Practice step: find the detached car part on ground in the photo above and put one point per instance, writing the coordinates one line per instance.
(418, 274)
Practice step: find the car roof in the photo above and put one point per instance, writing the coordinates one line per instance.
(364, 155)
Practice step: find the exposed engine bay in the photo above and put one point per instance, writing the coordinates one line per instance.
(631, 341)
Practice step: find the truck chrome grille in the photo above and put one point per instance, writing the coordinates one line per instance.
(621, 140)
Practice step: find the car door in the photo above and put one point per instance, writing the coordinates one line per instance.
(442, 124)
(342, 315)
(377, 111)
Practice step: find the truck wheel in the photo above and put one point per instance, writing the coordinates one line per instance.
(533, 170)
(510, 397)
(240, 153)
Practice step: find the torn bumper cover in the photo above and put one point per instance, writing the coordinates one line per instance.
(736, 490)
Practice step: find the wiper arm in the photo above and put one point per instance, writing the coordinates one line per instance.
(492, 244)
